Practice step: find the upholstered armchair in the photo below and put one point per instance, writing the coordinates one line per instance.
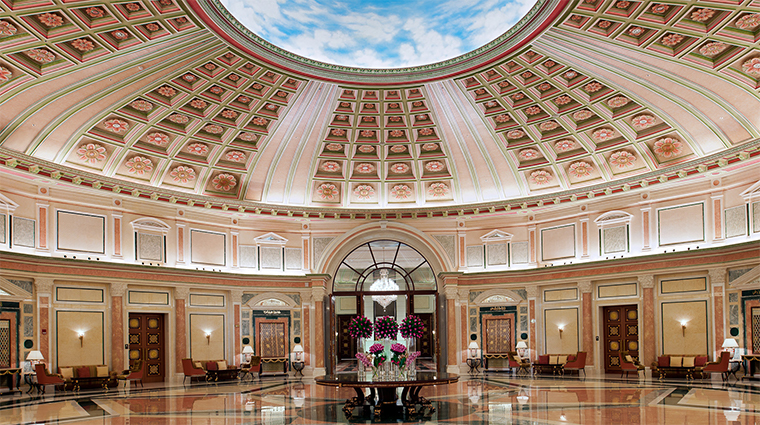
(190, 371)
(135, 373)
(44, 378)
(515, 362)
(579, 364)
(629, 364)
(248, 368)
(721, 366)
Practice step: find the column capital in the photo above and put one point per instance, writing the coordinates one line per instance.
(717, 276)
(43, 285)
(464, 294)
(181, 293)
(236, 295)
(585, 286)
(646, 281)
(318, 293)
(451, 292)
(118, 289)
(532, 291)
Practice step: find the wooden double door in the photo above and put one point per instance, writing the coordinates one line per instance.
(621, 333)
(147, 342)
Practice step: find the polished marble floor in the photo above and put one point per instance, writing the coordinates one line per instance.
(494, 399)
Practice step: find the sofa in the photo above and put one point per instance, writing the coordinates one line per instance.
(88, 376)
(553, 363)
(679, 365)
(212, 370)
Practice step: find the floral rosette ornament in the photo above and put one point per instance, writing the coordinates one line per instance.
(360, 327)
(386, 328)
(411, 327)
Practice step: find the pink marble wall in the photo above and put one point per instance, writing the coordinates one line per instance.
(181, 334)
(584, 237)
(238, 336)
(588, 328)
(451, 332)
(319, 334)
(719, 318)
(42, 243)
(234, 250)
(645, 225)
(117, 334)
(305, 338)
(718, 224)
(44, 308)
(649, 353)
(180, 244)
(532, 324)
(465, 333)
(117, 236)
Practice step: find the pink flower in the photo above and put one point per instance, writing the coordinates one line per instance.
(583, 114)
(569, 75)
(198, 104)
(713, 48)
(179, 119)
(398, 148)
(396, 133)
(330, 166)
(83, 44)
(532, 110)
(635, 31)
(504, 84)
(548, 126)
(752, 66)
(369, 106)
(281, 94)
(133, 7)
(243, 99)
(50, 20)
(427, 147)
(247, 137)
(394, 119)
(622, 159)
(40, 55)
(564, 145)
(593, 87)
(366, 148)
(139, 165)
(210, 66)
(563, 100)
(116, 125)
(604, 24)
(659, 9)
(748, 21)
(141, 105)
(580, 169)
(224, 182)
(540, 177)
(672, 39)
(418, 104)
(159, 139)
(216, 90)
(166, 91)
(618, 101)
(518, 96)
(425, 131)
(421, 117)
(367, 133)
(399, 168)
(327, 191)
(364, 192)
(491, 104)
(438, 190)
(701, 15)
(528, 154)
(527, 74)
(260, 121)
(152, 27)
(182, 174)
(7, 29)
(515, 134)
(197, 149)
(401, 191)
(622, 4)
(213, 129)
(667, 147)
(91, 153)
(641, 122)
(502, 118)
(229, 114)
(338, 132)
(257, 86)
(603, 134)
(189, 78)
(233, 77)
(120, 34)
(368, 119)
(364, 168)
(335, 147)
(435, 166)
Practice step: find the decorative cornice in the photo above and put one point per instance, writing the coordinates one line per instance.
(646, 281)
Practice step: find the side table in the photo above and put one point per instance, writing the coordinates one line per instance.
(474, 364)
(298, 368)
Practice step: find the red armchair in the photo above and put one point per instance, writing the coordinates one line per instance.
(44, 378)
(522, 365)
(190, 371)
(579, 364)
(133, 374)
(628, 364)
(721, 366)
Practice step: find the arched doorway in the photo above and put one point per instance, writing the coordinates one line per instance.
(383, 278)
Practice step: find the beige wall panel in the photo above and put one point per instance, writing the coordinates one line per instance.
(152, 298)
(206, 300)
(566, 318)
(558, 242)
(694, 339)
(81, 232)
(683, 285)
(553, 295)
(68, 348)
(202, 348)
(208, 248)
(613, 291)
(424, 304)
(345, 305)
(681, 224)
(79, 295)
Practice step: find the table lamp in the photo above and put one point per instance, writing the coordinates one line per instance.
(34, 357)
(247, 352)
(521, 347)
(298, 351)
(731, 345)
(473, 347)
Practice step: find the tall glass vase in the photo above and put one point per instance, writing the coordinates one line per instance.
(411, 347)
(360, 349)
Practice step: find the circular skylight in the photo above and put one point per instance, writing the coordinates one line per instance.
(379, 33)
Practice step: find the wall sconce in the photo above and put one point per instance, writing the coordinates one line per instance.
(208, 337)
(561, 329)
(683, 327)
(81, 338)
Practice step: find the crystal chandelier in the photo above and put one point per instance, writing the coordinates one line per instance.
(384, 284)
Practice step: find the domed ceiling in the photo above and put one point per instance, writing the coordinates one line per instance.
(177, 101)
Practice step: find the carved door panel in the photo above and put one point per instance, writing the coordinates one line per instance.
(5, 343)
(346, 344)
(621, 333)
(146, 342)
(425, 344)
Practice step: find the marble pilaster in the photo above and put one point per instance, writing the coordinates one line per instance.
(718, 284)
(587, 309)
(180, 303)
(44, 290)
(649, 353)
(118, 291)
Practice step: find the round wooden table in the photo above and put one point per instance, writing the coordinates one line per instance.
(386, 390)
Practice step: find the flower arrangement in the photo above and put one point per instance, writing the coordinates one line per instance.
(364, 359)
(360, 327)
(411, 358)
(399, 355)
(379, 356)
(386, 327)
(411, 327)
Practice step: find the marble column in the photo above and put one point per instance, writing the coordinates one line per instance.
(451, 293)
(44, 291)
(718, 283)
(236, 295)
(464, 319)
(318, 300)
(306, 332)
(646, 321)
(587, 308)
(118, 291)
(532, 306)
(180, 345)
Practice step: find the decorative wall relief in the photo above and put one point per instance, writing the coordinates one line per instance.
(23, 232)
(497, 254)
(151, 247)
(519, 252)
(318, 248)
(271, 257)
(249, 256)
(615, 239)
(475, 256)
(245, 326)
(3, 225)
(293, 259)
(448, 242)
(736, 221)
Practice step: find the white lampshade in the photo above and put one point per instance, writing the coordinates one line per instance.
(521, 344)
(730, 343)
(247, 349)
(298, 348)
(35, 355)
(473, 345)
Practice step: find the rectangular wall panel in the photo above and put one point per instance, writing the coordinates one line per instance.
(204, 300)
(558, 243)
(23, 232)
(681, 224)
(148, 298)
(80, 232)
(3, 228)
(78, 295)
(615, 291)
(249, 257)
(567, 341)
(691, 340)
(150, 247)
(520, 253)
(208, 247)
(736, 221)
(683, 285)
(211, 348)
(271, 257)
(553, 295)
(70, 351)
